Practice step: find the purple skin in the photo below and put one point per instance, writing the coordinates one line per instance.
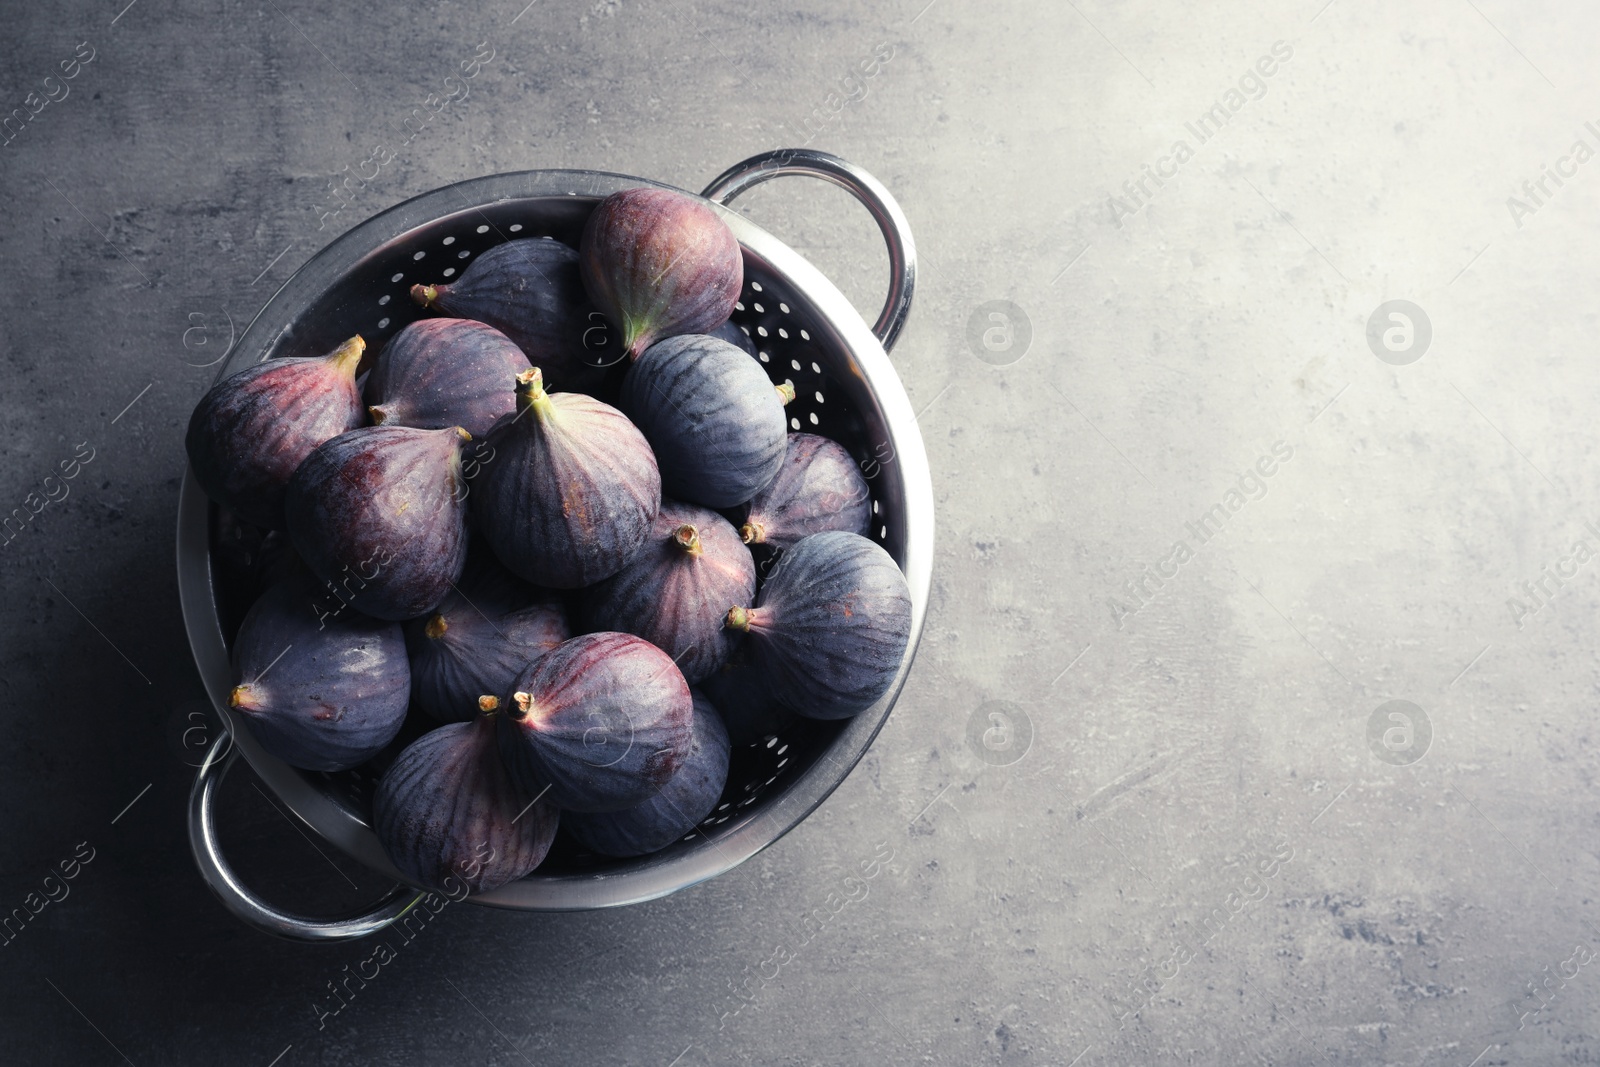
(531, 291)
(439, 373)
(569, 491)
(676, 590)
(324, 691)
(252, 430)
(730, 332)
(714, 420)
(660, 263)
(689, 796)
(478, 639)
(380, 513)
(742, 693)
(450, 817)
(830, 625)
(818, 488)
(603, 721)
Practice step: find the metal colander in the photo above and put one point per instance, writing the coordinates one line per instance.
(807, 334)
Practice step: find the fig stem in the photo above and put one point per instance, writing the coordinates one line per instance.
(348, 355)
(635, 338)
(531, 394)
(524, 705)
(425, 294)
(688, 539)
(738, 619)
(753, 533)
(379, 414)
(488, 705)
(435, 629)
(240, 698)
(786, 393)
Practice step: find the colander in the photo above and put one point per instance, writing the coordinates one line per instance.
(808, 334)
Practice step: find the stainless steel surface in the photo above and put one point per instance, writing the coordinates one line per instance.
(245, 904)
(864, 187)
(808, 333)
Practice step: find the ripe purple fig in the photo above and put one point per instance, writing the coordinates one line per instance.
(531, 291)
(478, 639)
(569, 490)
(602, 721)
(320, 690)
(381, 512)
(689, 796)
(742, 693)
(830, 625)
(252, 429)
(439, 373)
(449, 815)
(714, 420)
(818, 488)
(676, 589)
(660, 263)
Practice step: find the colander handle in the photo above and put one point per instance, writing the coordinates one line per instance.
(859, 184)
(246, 905)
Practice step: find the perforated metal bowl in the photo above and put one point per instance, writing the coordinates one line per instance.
(807, 333)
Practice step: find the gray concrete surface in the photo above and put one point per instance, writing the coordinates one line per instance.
(1195, 833)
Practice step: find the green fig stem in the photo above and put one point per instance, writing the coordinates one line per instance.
(488, 705)
(348, 355)
(688, 539)
(738, 619)
(531, 394)
(435, 629)
(753, 533)
(786, 393)
(635, 339)
(426, 294)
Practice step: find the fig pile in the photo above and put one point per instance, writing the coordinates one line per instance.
(549, 563)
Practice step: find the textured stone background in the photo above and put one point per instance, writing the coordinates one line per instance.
(1202, 855)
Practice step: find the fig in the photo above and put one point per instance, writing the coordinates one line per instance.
(741, 692)
(713, 418)
(660, 263)
(320, 690)
(818, 488)
(675, 591)
(731, 333)
(439, 373)
(478, 639)
(530, 290)
(569, 491)
(689, 796)
(252, 429)
(383, 507)
(830, 625)
(448, 814)
(602, 721)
